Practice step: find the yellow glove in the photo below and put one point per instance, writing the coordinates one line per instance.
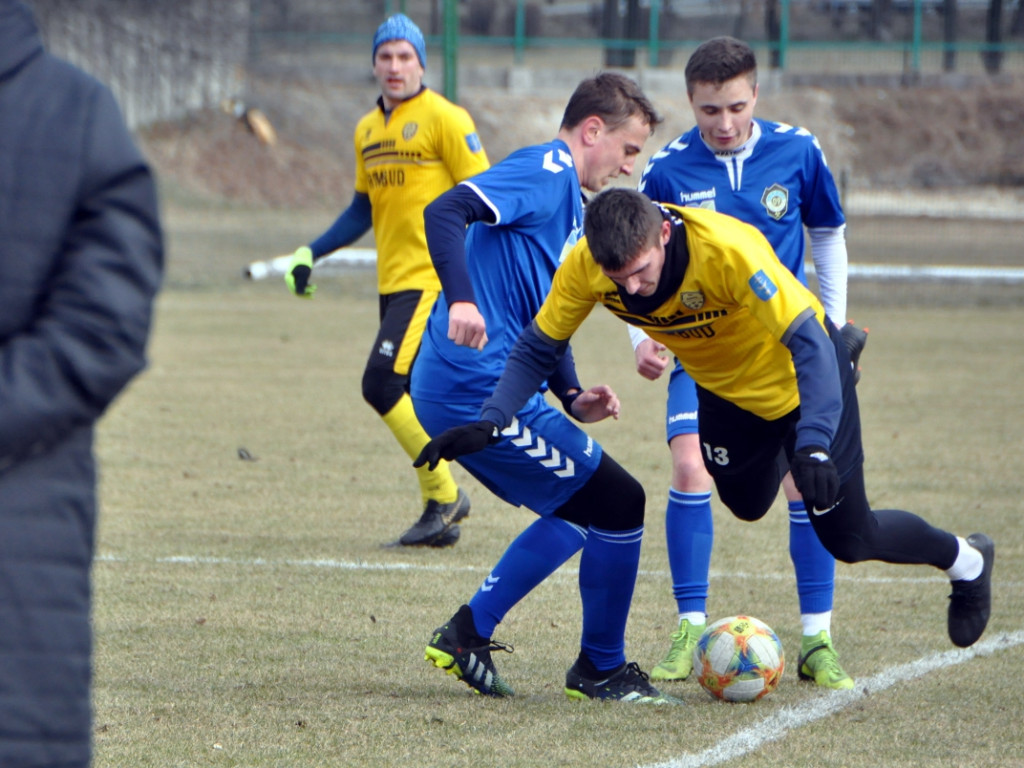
(300, 268)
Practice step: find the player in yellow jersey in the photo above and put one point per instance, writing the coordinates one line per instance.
(410, 148)
(775, 388)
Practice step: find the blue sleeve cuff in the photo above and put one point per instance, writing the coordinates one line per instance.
(565, 378)
(817, 379)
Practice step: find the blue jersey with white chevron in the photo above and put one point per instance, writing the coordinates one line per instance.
(536, 199)
(777, 181)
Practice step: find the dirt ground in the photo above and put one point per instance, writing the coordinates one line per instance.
(898, 138)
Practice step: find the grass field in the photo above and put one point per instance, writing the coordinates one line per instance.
(246, 615)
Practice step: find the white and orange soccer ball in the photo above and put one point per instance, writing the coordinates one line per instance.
(738, 658)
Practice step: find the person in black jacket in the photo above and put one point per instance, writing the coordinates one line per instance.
(81, 258)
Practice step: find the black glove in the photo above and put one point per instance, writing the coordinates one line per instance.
(855, 338)
(457, 441)
(815, 476)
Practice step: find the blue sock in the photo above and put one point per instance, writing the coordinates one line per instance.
(533, 556)
(690, 533)
(815, 567)
(608, 569)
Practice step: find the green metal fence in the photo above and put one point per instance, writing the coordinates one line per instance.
(907, 38)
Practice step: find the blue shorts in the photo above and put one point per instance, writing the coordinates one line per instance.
(681, 412)
(541, 461)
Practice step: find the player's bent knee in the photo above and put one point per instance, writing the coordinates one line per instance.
(743, 506)
(382, 389)
(689, 474)
(748, 497)
(748, 515)
(844, 547)
(612, 499)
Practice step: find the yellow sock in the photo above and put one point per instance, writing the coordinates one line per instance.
(438, 485)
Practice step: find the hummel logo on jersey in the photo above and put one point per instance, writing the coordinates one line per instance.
(489, 583)
(682, 416)
(564, 158)
(762, 286)
(704, 198)
(537, 448)
(387, 348)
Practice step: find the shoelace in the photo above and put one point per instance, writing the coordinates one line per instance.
(831, 665)
(490, 645)
(830, 660)
(636, 676)
(689, 640)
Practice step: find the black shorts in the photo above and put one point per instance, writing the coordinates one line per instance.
(747, 456)
(403, 318)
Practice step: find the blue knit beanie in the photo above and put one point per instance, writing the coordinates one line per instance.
(401, 27)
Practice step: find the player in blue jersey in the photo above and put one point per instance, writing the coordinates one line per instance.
(524, 215)
(773, 176)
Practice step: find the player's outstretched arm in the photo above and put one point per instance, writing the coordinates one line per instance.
(351, 224)
(531, 362)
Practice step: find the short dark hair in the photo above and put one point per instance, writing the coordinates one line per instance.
(718, 60)
(612, 97)
(618, 224)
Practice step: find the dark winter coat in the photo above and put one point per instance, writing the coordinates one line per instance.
(81, 258)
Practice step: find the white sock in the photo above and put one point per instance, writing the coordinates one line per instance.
(696, 618)
(968, 564)
(813, 623)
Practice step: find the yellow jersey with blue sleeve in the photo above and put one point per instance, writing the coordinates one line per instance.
(404, 159)
(724, 306)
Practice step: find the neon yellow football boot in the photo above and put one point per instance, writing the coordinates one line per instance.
(678, 664)
(819, 662)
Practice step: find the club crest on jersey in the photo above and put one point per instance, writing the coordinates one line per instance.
(776, 201)
(762, 285)
(409, 130)
(692, 299)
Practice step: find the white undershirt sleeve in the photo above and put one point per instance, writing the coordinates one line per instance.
(636, 335)
(828, 251)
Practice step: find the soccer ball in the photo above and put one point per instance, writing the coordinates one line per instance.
(738, 659)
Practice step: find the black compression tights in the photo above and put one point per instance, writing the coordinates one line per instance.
(612, 500)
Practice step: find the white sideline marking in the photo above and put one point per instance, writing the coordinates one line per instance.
(347, 565)
(776, 726)
(364, 565)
